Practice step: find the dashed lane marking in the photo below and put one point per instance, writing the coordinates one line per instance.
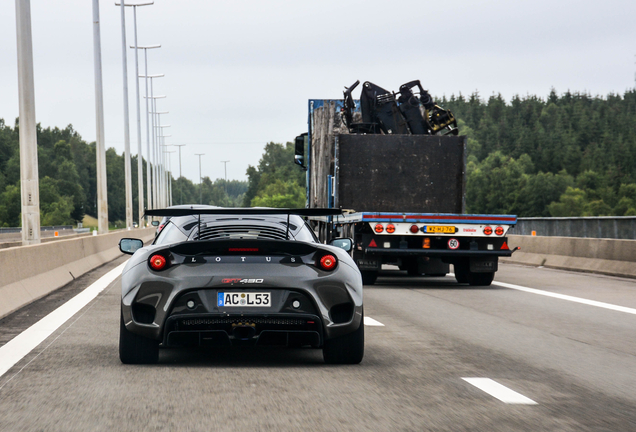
(568, 298)
(21, 345)
(368, 321)
(501, 392)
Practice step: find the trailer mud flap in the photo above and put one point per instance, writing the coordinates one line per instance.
(483, 264)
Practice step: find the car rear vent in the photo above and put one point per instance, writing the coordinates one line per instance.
(143, 313)
(341, 313)
(241, 232)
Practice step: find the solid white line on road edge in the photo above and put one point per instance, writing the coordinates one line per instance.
(568, 298)
(21, 345)
(368, 321)
(503, 393)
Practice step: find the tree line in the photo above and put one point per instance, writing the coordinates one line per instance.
(68, 188)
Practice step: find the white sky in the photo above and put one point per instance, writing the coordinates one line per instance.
(239, 73)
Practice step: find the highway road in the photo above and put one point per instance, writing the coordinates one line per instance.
(540, 350)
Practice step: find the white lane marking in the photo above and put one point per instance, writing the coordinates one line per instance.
(368, 321)
(21, 345)
(568, 298)
(503, 393)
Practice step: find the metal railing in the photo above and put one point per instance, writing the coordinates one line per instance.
(44, 228)
(612, 227)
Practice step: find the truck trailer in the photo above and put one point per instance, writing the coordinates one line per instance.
(403, 199)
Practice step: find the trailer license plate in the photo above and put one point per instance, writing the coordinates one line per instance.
(249, 299)
(440, 229)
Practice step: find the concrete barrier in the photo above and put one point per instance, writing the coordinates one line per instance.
(603, 256)
(28, 273)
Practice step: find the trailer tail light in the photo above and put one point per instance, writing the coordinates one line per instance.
(390, 228)
(379, 228)
(488, 230)
(328, 262)
(158, 262)
(499, 231)
(426, 244)
(414, 229)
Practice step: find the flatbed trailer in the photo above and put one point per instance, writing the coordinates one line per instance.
(403, 197)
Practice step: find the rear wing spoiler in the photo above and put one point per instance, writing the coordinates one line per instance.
(244, 211)
(175, 212)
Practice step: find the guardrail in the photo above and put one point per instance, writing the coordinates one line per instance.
(42, 228)
(610, 227)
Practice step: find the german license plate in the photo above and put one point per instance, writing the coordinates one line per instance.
(245, 299)
(439, 229)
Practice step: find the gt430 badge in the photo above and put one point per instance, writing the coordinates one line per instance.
(241, 281)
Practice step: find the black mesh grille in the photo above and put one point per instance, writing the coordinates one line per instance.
(241, 232)
(193, 322)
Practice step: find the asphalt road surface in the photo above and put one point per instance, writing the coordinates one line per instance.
(440, 357)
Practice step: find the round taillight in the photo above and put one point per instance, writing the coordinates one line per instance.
(379, 228)
(487, 230)
(414, 229)
(499, 230)
(390, 228)
(328, 262)
(158, 262)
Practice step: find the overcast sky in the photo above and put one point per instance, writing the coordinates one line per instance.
(239, 73)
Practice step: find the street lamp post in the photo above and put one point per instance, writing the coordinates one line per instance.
(169, 175)
(155, 153)
(163, 182)
(200, 183)
(140, 169)
(225, 166)
(127, 168)
(100, 139)
(148, 156)
(29, 178)
(180, 184)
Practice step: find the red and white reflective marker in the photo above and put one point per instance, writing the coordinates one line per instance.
(453, 244)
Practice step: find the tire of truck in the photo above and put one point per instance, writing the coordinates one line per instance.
(369, 277)
(135, 349)
(412, 271)
(461, 273)
(480, 279)
(347, 349)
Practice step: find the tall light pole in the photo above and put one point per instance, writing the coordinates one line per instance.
(169, 175)
(29, 182)
(200, 182)
(140, 169)
(225, 165)
(180, 185)
(146, 76)
(163, 182)
(100, 139)
(127, 168)
(155, 190)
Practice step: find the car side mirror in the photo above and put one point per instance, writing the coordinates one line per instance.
(299, 151)
(130, 245)
(343, 243)
(155, 223)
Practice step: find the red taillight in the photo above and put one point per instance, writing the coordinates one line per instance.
(487, 230)
(414, 229)
(499, 230)
(379, 228)
(390, 228)
(160, 227)
(242, 250)
(328, 262)
(158, 262)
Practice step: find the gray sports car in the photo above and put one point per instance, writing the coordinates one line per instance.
(231, 277)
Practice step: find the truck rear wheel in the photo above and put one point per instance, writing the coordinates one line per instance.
(461, 273)
(480, 279)
(369, 277)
